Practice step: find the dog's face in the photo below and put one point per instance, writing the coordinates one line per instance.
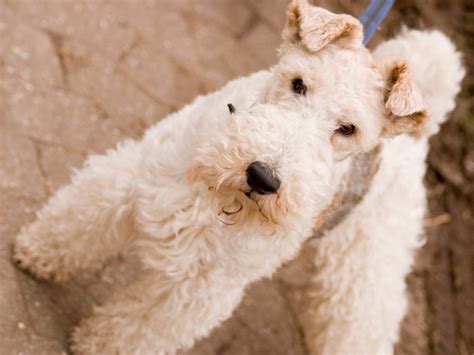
(278, 163)
(267, 166)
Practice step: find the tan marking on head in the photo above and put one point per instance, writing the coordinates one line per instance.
(406, 107)
(314, 27)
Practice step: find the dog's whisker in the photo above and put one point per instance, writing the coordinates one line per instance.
(230, 213)
(226, 223)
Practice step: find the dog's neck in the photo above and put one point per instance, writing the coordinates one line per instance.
(352, 189)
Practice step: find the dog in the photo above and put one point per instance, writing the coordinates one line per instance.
(226, 190)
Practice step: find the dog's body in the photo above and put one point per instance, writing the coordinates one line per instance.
(356, 297)
(211, 200)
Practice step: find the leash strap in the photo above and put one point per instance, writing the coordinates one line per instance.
(373, 16)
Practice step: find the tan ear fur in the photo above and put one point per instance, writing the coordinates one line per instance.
(404, 102)
(315, 27)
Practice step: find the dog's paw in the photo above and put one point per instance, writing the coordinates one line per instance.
(78, 341)
(34, 258)
(96, 336)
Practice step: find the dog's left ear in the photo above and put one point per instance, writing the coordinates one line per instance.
(314, 27)
(407, 112)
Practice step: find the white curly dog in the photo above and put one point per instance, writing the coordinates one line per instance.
(212, 199)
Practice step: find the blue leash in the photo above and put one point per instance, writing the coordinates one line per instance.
(373, 16)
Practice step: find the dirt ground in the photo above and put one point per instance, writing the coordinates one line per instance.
(77, 76)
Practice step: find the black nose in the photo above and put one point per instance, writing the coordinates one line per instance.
(261, 179)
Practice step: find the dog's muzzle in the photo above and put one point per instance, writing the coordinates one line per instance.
(262, 179)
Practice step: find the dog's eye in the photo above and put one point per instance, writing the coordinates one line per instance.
(346, 129)
(298, 86)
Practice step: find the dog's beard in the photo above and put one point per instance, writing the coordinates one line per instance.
(238, 207)
(237, 204)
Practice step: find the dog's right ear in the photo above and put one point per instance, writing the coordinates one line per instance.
(314, 27)
(407, 111)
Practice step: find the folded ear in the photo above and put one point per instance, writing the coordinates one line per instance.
(314, 27)
(407, 110)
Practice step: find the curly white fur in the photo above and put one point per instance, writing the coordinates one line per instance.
(357, 295)
(180, 199)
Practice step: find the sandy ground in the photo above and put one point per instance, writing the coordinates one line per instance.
(77, 76)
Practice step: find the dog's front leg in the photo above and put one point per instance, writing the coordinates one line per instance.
(157, 315)
(357, 295)
(85, 222)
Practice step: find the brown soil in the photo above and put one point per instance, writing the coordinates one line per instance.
(77, 76)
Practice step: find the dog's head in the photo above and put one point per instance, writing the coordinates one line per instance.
(278, 163)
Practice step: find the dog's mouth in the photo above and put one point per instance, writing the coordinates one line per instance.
(239, 203)
(248, 206)
(248, 194)
(252, 197)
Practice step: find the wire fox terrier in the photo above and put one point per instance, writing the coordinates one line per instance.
(212, 199)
